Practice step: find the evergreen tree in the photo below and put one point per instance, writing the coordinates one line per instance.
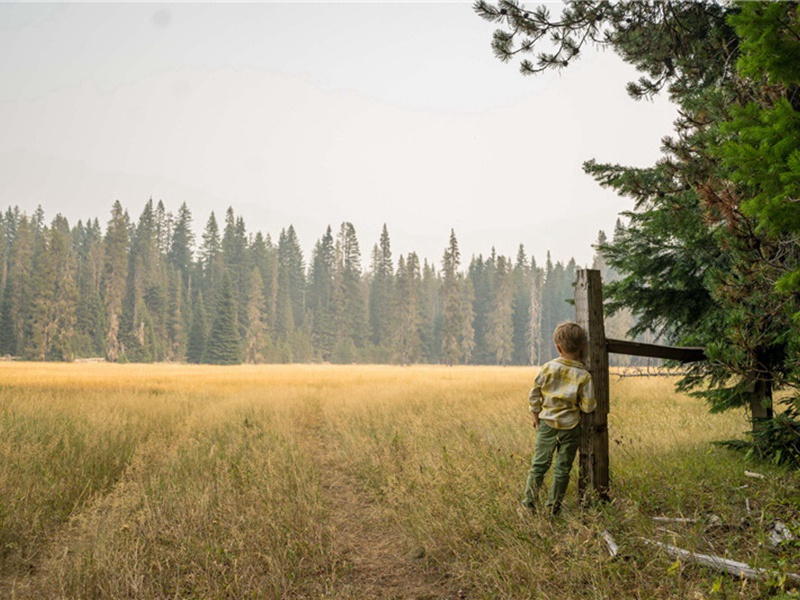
(16, 306)
(537, 340)
(256, 338)
(501, 319)
(235, 258)
(196, 345)
(407, 339)
(291, 284)
(354, 325)
(51, 320)
(760, 149)
(182, 244)
(381, 291)
(264, 256)
(163, 226)
(211, 246)
(453, 312)
(145, 305)
(466, 339)
(90, 326)
(482, 275)
(321, 296)
(115, 274)
(431, 314)
(223, 346)
(521, 309)
(177, 320)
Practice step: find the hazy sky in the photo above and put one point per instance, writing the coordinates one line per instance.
(312, 114)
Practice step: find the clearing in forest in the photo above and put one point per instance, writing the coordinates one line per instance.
(351, 482)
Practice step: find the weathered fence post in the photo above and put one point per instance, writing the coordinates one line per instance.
(594, 442)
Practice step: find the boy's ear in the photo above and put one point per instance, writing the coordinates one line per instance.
(559, 349)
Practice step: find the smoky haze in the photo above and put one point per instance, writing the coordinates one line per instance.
(314, 114)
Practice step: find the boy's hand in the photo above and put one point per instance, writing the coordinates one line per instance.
(535, 417)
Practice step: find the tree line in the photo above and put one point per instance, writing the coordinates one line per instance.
(145, 290)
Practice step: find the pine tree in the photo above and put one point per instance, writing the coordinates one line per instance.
(536, 301)
(321, 296)
(235, 258)
(501, 332)
(182, 244)
(256, 338)
(223, 346)
(264, 257)
(177, 321)
(452, 314)
(466, 338)
(521, 339)
(431, 313)
(16, 306)
(90, 326)
(209, 261)
(407, 339)
(211, 246)
(291, 284)
(381, 292)
(198, 331)
(115, 274)
(145, 304)
(354, 325)
(163, 225)
(481, 274)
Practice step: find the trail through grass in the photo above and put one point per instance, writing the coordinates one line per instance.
(306, 481)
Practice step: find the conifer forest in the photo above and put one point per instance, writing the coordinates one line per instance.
(145, 290)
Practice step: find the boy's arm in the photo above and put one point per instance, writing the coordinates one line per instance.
(535, 399)
(587, 401)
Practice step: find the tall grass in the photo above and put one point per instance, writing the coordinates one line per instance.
(175, 481)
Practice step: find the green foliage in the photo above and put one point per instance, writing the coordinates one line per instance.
(198, 332)
(223, 346)
(760, 149)
(774, 440)
(381, 291)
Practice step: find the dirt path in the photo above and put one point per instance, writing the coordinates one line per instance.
(375, 559)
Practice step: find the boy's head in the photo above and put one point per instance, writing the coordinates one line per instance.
(570, 338)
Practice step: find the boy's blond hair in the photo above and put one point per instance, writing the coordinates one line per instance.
(570, 337)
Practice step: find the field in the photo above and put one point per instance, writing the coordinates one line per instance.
(173, 481)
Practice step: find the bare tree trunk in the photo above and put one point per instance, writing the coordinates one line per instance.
(535, 329)
(761, 402)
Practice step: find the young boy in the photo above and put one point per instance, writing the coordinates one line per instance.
(561, 390)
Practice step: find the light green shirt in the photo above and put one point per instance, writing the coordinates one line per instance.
(560, 391)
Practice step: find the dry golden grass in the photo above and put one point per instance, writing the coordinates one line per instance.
(160, 481)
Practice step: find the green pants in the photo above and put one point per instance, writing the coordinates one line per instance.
(564, 443)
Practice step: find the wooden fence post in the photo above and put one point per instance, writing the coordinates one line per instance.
(594, 441)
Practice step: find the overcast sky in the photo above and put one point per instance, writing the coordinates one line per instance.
(312, 114)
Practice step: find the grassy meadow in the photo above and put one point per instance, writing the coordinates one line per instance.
(309, 481)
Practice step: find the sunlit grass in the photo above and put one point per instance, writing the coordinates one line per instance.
(184, 481)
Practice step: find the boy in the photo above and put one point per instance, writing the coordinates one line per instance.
(561, 390)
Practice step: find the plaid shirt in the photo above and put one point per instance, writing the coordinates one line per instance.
(560, 391)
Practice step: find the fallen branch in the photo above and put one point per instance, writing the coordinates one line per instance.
(732, 567)
(674, 520)
(754, 475)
